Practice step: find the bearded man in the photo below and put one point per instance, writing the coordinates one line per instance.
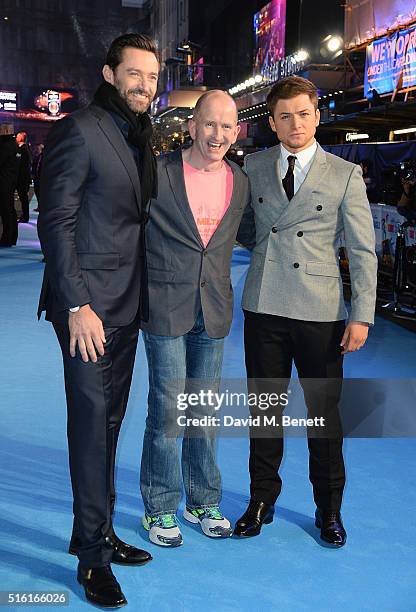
(98, 176)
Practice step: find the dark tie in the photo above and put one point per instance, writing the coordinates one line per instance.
(289, 180)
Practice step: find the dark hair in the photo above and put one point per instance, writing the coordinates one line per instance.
(137, 41)
(290, 87)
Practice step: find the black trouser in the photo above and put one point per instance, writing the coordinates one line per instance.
(9, 217)
(97, 395)
(36, 187)
(22, 191)
(271, 344)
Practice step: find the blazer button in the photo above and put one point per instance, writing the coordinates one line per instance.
(274, 230)
(300, 234)
(296, 265)
(261, 200)
(203, 284)
(319, 207)
(204, 253)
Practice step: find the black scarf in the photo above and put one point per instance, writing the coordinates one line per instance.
(140, 135)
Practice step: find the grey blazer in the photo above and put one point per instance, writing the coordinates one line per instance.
(294, 269)
(183, 275)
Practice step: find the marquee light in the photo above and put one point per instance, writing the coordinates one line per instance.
(284, 67)
(350, 136)
(405, 131)
(251, 82)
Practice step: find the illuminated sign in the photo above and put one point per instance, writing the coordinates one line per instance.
(284, 67)
(352, 136)
(8, 101)
(199, 72)
(39, 104)
(54, 103)
(269, 27)
(391, 60)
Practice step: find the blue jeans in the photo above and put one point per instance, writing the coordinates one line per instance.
(173, 363)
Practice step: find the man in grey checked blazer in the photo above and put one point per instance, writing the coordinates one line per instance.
(302, 199)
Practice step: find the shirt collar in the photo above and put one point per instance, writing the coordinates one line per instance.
(303, 158)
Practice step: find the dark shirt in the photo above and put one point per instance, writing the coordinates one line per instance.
(124, 129)
(9, 163)
(37, 166)
(24, 176)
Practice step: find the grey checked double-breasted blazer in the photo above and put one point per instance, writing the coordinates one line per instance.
(294, 269)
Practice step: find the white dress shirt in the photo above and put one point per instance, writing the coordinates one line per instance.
(302, 164)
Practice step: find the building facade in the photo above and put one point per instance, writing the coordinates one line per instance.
(60, 44)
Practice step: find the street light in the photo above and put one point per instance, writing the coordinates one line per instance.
(184, 49)
(188, 47)
(331, 46)
(301, 55)
(334, 43)
(300, 21)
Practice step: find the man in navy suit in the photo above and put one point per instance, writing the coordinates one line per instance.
(98, 176)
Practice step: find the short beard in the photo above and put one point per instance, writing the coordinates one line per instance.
(124, 96)
(129, 104)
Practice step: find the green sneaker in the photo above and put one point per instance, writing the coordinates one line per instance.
(163, 529)
(211, 520)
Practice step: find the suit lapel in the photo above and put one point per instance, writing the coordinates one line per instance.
(235, 199)
(317, 173)
(119, 144)
(281, 193)
(237, 185)
(269, 184)
(177, 184)
(313, 178)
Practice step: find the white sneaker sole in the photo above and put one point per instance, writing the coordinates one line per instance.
(192, 519)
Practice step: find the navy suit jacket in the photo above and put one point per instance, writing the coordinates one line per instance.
(91, 221)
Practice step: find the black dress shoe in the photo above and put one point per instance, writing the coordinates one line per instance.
(101, 586)
(123, 554)
(332, 529)
(257, 514)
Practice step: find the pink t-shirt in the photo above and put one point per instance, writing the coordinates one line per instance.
(209, 195)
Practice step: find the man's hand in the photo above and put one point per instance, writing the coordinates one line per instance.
(354, 336)
(86, 330)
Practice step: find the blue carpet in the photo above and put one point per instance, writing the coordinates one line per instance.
(285, 568)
